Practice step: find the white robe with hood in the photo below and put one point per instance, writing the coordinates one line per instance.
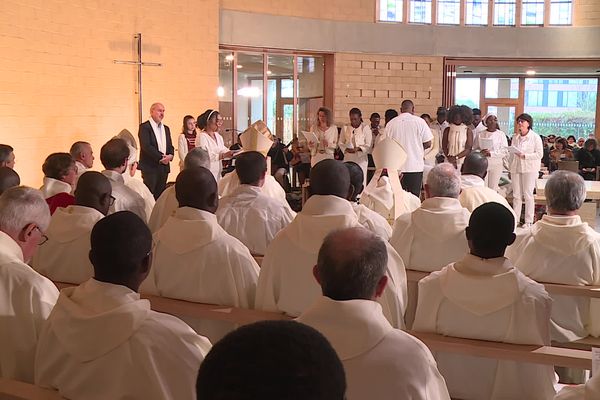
(563, 250)
(140, 188)
(65, 256)
(52, 187)
(487, 300)
(373, 221)
(475, 193)
(380, 197)
(286, 281)
(589, 391)
(196, 260)
(271, 188)
(380, 362)
(165, 207)
(103, 342)
(126, 199)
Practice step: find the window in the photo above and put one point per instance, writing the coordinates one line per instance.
(467, 91)
(448, 12)
(390, 10)
(504, 12)
(561, 12)
(476, 12)
(420, 11)
(532, 12)
(501, 88)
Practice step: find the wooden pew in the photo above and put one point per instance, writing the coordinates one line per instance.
(15, 390)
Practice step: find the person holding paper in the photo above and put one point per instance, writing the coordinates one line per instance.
(323, 142)
(526, 155)
(210, 140)
(561, 152)
(493, 144)
(355, 141)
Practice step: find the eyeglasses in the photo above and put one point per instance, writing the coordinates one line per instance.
(111, 201)
(43, 238)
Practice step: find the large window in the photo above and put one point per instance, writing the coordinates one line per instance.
(476, 12)
(420, 11)
(390, 10)
(467, 91)
(560, 12)
(532, 12)
(504, 12)
(448, 12)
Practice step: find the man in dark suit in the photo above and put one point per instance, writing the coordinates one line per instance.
(156, 150)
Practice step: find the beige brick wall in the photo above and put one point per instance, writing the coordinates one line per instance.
(340, 10)
(375, 83)
(586, 12)
(58, 83)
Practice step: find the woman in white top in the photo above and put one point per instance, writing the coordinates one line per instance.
(355, 141)
(457, 139)
(527, 152)
(493, 144)
(187, 138)
(326, 137)
(210, 140)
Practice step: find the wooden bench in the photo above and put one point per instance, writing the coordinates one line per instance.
(15, 390)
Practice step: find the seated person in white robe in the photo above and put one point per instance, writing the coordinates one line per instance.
(26, 297)
(114, 155)
(103, 342)
(589, 391)
(166, 204)
(484, 297)
(474, 190)
(65, 256)
(8, 178)
(286, 283)
(561, 249)
(83, 155)
(380, 362)
(272, 360)
(247, 213)
(367, 217)
(135, 184)
(196, 260)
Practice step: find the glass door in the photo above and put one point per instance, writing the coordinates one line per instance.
(506, 116)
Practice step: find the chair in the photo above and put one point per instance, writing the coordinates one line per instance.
(572, 166)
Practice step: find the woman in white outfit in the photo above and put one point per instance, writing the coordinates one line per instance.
(187, 138)
(525, 166)
(457, 139)
(326, 137)
(355, 141)
(495, 153)
(210, 140)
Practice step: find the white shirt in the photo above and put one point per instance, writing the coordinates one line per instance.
(196, 260)
(26, 299)
(182, 149)
(286, 282)
(52, 187)
(373, 221)
(530, 145)
(214, 147)
(159, 133)
(438, 129)
(271, 187)
(103, 342)
(126, 199)
(253, 217)
(563, 250)
(140, 188)
(326, 144)
(380, 362)
(411, 132)
(65, 256)
(475, 193)
(499, 148)
(487, 300)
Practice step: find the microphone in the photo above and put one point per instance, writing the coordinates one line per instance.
(232, 130)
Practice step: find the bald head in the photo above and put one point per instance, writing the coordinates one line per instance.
(475, 164)
(197, 188)
(352, 264)
(407, 106)
(329, 178)
(490, 243)
(443, 181)
(93, 190)
(8, 178)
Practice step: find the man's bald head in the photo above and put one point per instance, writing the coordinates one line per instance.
(197, 188)
(443, 181)
(329, 178)
(485, 242)
(407, 106)
(93, 190)
(351, 265)
(8, 178)
(475, 164)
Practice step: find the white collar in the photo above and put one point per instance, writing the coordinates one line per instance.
(10, 250)
(441, 204)
(318, 205)
(468, 180)
(155, 125)
(53, 187)
(113, 176)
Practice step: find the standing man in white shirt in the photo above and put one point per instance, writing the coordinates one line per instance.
(414, 135)
(355, 141)
(439, 125)
(83, 155)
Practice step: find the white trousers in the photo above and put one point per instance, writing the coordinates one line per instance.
(523, 186)
(494, 173)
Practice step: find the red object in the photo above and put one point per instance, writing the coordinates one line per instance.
(60, 200)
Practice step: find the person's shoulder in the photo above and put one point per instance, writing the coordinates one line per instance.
(28, 280)
(167, 329)
(531, 291)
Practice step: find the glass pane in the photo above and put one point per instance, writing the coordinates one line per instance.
(562, 107)
(501, 88)
(504, 12)
(506, 118)
(390, 10)
(249, 97)
(280, 91)
(561, 12)
(448, 12)
(476, 12)
(467, 91)
(532, 12)
(225, 94)
(420, 11)
(310, 90)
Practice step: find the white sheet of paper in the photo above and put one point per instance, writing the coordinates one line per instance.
(514, 150)
(486, 143)
(310, 137)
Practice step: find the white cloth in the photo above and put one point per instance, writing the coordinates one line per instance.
(52, 187)
(523, 185)
(479, 128)
(286, 282)
(438, 129)
(531, 146)
(438, 224)
(253, 217)
(373, 221)
(411, 132)
(140, 188)
(182, 149)
(487, 300)
(26, 299)
(214, 147)
(497, 154)
(457, 137)
(126, 199)
(476, 194)
(165, 207)
(160, 135)
(563, 250)
(357, 138)
(379, 196)
(380, 362)
(81, 169)
(325, 146)
(65, 256)
(589, 391)
(271, 188)
(103, 342)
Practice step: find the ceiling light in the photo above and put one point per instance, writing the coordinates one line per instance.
(229, 57)
(269, 73)
(239, 66)
(530, 72)
(220, 91)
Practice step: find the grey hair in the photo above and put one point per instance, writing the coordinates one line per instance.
(443, 181)
(197, 157)
(21, 206)
(77, 148)
(565, 191)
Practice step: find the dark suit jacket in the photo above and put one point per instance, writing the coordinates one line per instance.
(149, 154)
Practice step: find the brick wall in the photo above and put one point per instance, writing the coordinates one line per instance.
(375, 83)
(586, 12)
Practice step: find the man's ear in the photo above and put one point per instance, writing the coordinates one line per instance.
(468, 233)
(426, 187)
(214, 200)
(511, 239)
(381, 286)
(26, 232)
(316, 274)
(351, 191)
